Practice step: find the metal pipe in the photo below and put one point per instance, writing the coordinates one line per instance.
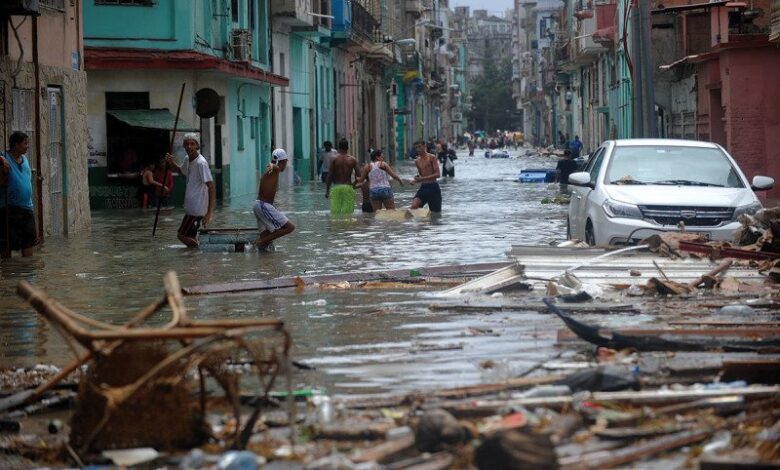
(38, 158)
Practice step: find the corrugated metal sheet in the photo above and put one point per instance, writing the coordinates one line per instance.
(774, 35)
(542, 263)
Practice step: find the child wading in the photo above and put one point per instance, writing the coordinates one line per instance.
(271, 223)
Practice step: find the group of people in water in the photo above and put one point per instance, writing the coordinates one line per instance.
(342, 175)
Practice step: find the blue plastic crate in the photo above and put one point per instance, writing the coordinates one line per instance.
(543, 175)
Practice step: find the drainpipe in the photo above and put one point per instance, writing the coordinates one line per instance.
(38, 158)
(272, 110)
(316, 107)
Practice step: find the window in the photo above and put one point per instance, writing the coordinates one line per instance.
(234, 11)
(251, 14)
(136, 3)
(670, 165)
(53, 4)
(240, 132)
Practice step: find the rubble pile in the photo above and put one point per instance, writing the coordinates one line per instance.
(667, 357)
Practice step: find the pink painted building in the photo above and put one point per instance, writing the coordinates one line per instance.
(725, 52)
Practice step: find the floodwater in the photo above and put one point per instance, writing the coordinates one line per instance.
(360, 341)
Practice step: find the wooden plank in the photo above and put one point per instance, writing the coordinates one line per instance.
(770, 332)
(290, 281)
(385, 451)
(764, 371)
(735, 463)
(761, 324)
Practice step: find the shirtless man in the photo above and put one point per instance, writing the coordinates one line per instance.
(427, 174)
(342, 200)
(270, 221)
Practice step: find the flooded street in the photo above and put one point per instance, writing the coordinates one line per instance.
(360, 341)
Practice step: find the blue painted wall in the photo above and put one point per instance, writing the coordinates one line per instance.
(247, 119)
(301, 76)
(202, 25)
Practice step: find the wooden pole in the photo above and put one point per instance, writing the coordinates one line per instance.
(170, 150)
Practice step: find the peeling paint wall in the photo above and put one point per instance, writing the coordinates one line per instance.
(73, 83)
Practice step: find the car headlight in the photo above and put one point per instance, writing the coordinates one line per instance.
(622, 210)
(749, 209)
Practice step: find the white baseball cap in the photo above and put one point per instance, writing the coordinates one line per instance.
(279, 155)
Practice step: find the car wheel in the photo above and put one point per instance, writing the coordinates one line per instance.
(590, 237)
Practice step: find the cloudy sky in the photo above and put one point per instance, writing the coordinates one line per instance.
(495, 7)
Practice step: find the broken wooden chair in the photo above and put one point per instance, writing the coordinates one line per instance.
(144, 375)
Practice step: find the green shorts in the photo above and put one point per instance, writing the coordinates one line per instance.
(342, 199)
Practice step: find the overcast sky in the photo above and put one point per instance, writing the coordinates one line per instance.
(495, 7)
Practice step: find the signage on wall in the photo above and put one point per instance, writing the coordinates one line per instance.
(74, 60)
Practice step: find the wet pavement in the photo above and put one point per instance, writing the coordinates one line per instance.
(361, 341)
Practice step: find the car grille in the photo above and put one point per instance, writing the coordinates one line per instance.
(690, 216)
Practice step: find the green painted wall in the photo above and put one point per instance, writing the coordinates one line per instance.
(246, 116)
(202, 25)
(301, 76)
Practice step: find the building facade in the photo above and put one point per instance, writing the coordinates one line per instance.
(138, 56)
(43, 90)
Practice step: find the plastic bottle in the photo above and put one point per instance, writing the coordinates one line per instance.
(237, 460)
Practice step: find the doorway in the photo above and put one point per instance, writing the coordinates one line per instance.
(57, 176)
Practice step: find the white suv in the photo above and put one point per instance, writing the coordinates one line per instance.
(633, 188)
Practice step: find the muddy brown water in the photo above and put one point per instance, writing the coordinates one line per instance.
(360, 341)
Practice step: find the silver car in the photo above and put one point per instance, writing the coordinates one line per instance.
(633, 188)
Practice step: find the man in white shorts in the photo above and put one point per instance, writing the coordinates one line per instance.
(271, 223)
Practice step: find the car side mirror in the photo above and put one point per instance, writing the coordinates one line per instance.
(581, 178)
(762, 183)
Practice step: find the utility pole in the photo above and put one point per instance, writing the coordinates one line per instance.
(644, 124)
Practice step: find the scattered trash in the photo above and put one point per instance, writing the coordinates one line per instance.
(237, 460)
(130, 457)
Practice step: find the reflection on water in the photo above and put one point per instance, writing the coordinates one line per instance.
(359, 340)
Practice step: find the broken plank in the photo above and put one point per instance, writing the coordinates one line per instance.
(764, 371)
(385, 451)
(536, 307)
(735, 463)
(646, 449)
(465, 270)
(353, 431)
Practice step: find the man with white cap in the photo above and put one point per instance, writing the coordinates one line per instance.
(200, 193)
(271, 223)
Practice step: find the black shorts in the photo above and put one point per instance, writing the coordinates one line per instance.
(21, 223)
(430, 193)
(190, 225)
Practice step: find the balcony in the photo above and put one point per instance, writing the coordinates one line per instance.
(605, 24)
(320, 19)
(584, 49)
(294, 13)
(415, 7)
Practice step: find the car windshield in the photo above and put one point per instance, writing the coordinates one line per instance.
(672, 165)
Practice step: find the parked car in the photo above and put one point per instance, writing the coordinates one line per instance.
(633, 188)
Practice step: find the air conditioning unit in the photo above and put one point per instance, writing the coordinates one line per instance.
(457, 117)
(241, 44)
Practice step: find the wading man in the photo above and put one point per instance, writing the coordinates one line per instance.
(17, 223)
(200, 193)
(427, 174)
(271, 223)
(342, 198)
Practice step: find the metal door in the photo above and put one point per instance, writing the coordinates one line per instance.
(56, 165)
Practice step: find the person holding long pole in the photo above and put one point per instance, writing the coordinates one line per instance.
(170, 150)
(200, 193)
(16, 202)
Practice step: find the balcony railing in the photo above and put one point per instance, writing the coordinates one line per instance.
(364, 26)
